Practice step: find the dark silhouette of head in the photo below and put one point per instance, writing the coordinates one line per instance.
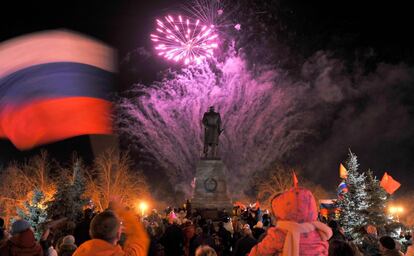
(205, 250)
(387, 242)
(88, 214)
(106, 226)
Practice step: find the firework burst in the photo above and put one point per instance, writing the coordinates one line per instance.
(211, 12)
(184, 40)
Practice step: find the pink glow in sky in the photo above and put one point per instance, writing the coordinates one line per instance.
(181, 39)
(268, 117)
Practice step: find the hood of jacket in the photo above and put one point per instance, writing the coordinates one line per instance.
(296, 204)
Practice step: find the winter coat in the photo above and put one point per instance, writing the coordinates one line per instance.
(295, 207)
(99, 247)
(136, 243)
(3, 237)
(22, 244)
(257, 232)
(337, 235)
(81, 232)
(198, 240)
(370, 245)
(225, 237)
(410, 250)
(244, 245)
(173, 241)
(2, 234)
(189, 233)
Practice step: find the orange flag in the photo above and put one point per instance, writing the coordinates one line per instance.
(343, 172)
(389, 184)
(295, 180)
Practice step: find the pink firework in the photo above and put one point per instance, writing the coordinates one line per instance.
(181, 39)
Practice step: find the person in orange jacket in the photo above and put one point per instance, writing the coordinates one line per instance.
(106, 229)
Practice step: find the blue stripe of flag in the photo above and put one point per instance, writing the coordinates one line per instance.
(55, 80)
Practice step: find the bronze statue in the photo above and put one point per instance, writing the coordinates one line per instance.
(212, 131)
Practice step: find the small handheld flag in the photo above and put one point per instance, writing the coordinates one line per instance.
(343, 172)
(295, 180)
(389, 184)
(342, 188)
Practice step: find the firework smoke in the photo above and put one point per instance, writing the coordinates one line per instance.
(270, 118)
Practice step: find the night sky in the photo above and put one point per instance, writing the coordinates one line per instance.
(349, 29)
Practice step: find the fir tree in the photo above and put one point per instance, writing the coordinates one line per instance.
(377, 200)
(68, 200)
(34, 212)
(354, 204)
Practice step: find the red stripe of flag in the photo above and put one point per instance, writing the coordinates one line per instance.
(52, 120)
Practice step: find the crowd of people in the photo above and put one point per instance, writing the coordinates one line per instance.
(292, 228)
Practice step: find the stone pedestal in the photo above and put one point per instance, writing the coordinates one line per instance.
(210, 191)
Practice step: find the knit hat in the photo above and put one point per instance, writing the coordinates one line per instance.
(296, 205)
(68, 244)
(68, 240)
(19, 226)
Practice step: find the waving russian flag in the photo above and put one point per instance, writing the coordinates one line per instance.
(342, 188)
(54, 85)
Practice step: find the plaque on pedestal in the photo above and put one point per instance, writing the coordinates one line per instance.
(210, 191)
